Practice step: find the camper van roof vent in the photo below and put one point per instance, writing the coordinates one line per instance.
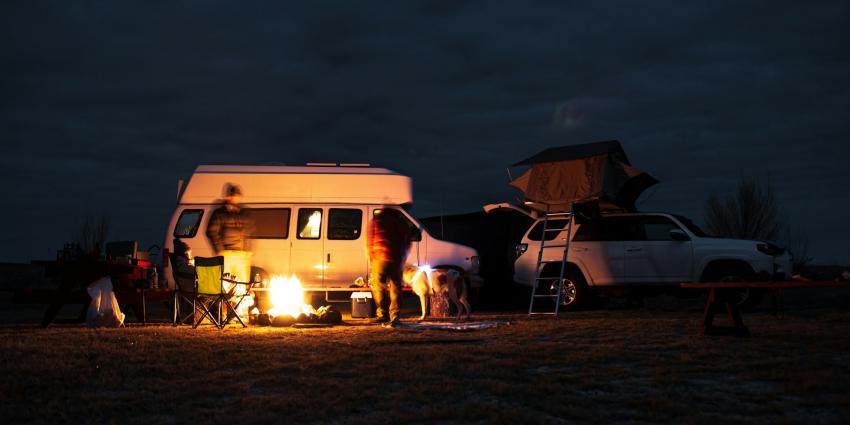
(354, 164)
(321, 164)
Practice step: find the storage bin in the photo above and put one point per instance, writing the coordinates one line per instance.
(362, 305)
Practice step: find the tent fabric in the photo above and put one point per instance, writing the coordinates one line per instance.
(594, 172)
(572, 152)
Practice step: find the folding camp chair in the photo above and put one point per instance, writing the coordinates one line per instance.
(183, 293)
(210, 293)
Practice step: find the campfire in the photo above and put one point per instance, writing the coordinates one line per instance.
(282, 304)
(287, 297)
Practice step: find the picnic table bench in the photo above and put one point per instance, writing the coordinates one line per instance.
(721, 295)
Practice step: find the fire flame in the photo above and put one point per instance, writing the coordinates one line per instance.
(287, 297)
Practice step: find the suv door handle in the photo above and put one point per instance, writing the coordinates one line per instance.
(329, 257)
(634, 249)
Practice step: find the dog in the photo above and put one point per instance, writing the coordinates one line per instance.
(438, 281)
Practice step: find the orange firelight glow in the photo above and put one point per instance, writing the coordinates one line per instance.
(287, 297)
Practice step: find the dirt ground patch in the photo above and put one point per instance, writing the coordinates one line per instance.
(618, 365)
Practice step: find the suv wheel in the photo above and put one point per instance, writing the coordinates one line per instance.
(574, 294)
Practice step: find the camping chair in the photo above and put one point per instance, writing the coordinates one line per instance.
(210, 292)
(183, 292)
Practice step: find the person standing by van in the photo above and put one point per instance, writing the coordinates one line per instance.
(228, 230)
(228, 224)
(387, 244)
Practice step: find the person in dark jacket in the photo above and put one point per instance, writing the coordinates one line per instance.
(229, 227)
(184, 267)
(387, 244)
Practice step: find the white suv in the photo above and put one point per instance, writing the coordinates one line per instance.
(653, 252)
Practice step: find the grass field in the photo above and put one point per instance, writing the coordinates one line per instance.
(646, 365)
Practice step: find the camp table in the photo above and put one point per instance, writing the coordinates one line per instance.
(722, 295)
(130, 288)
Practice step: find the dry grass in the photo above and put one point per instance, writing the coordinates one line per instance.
(627, 366)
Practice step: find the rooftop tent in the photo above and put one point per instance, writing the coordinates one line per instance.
(576, 174)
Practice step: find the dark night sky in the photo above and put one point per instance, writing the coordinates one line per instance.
(105, 105)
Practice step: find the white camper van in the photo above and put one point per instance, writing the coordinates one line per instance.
(309, 220)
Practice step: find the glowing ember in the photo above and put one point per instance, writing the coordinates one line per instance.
(287, 297)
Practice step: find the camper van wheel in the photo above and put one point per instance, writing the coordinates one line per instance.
(574, 294)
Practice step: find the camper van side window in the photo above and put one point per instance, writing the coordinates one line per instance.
(344, 223)
(309, 223)
(415, 232)
(269, 223)
(187, 224)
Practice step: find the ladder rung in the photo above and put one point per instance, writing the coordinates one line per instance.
(547, 278)
(551, 261)
(563, 214)
(545, 296)
(555, 230)
(542, 314)
(554, 246)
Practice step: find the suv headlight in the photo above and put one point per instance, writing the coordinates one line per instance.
(770, 249)
(520, 249)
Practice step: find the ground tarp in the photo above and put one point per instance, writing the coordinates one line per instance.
(593, 172)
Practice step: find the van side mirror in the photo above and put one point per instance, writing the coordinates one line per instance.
(679, 235)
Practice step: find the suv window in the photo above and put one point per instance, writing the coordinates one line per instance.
(691, 226)
(657, 228)
(536, 233)
(309, 223)
(344, 223)
(269, 223)
(609, 229)
(187, 224)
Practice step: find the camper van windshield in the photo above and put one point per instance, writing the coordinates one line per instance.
(187, 224)
(415, 232)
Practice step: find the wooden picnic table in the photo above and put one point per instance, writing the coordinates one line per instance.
(130, 288)
(721, 295)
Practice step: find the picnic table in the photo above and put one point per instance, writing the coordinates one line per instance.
(129, 285)
(722, 295)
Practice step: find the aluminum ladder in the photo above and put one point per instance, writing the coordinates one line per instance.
(540, 261)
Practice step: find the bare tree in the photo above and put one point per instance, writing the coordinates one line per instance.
(750, 213)
(798, 244)
(93, 234)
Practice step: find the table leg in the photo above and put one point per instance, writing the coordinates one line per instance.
(716, 299)
(708, 314)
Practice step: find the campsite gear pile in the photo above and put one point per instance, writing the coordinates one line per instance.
(324, 315)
